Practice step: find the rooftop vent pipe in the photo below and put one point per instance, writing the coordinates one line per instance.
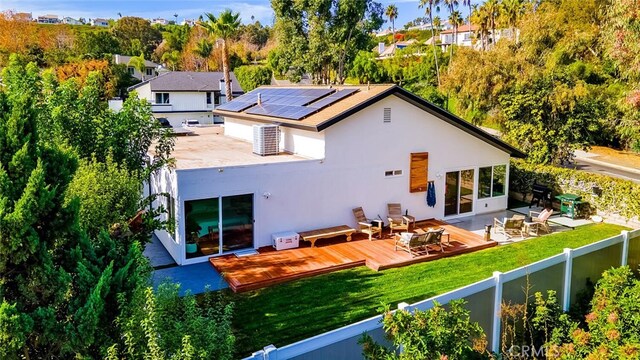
(259, 99)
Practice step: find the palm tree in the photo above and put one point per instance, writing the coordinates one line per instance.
(455, 19)
(392, 14)
(480, 18)
(204, 48)
(511, 11)
(468, 4)
(224, 27)
(171, 58)
(452, 5)
(492, 7)
(138, 63)
(430, 6)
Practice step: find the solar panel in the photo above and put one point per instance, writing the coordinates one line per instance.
(293, 104)
(235, 106)
(337, 96)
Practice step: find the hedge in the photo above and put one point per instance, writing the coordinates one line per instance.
(252, 76)
(604, 193)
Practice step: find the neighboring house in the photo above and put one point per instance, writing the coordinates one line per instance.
(186, 95)
(48, 19)
(70, 21)
(464, 37)
(188, 22)
(356, 146)
(151, 68)
(99, 22)
(160, 21)
(388, 51)
(23, 16)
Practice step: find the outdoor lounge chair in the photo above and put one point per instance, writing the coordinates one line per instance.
(366, 226)
(509, 227)
(397, 221)
(413, 243)
(541, 217)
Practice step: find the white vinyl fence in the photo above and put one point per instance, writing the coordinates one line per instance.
(566, 273)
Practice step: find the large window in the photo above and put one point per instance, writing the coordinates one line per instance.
(492, 181)
(208, 98)
(162, 98)
(149, 71)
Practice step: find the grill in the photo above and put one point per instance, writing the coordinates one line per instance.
(540, 193)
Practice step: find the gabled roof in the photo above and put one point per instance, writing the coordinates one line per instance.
(360, 100)
(189, 81)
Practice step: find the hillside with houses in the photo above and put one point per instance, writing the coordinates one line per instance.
(337, 183)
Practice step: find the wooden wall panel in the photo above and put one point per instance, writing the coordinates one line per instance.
(418, 176)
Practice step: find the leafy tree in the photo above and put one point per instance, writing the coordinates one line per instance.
(252, 76)
(224, 27)
(433, 334)
(107, 193)
(365, 68)
(176, 36)
(136, 35)
(322, 38)
(57, 285)
(96, 44)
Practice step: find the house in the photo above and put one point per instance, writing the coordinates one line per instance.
(188, 22)
(160, 21)
(70, 21)
(151, 68)
(465, 36)
(48, 19)
(182, 95)
(388, 51)
(348, 147)
(23, 16)
(99, 22)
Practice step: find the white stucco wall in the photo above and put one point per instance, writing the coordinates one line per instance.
(165, 181)
(176, 118)
(364, 139)
(300, 142)
(320, 193)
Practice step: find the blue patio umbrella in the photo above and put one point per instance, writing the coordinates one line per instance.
(431, 194)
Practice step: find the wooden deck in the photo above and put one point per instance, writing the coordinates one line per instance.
(273, 267)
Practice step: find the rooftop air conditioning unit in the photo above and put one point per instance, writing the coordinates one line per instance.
(266, 140)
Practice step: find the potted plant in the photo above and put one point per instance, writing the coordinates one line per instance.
(192, 243)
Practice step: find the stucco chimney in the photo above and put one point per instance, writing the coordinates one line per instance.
(223, 89)
(380, 47)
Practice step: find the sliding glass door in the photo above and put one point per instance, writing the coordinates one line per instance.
(237, 222)
(458, 198)
(218, 225)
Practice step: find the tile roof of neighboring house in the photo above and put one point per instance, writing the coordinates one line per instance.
(124, 59)
(189, 81)
(461, 29)
(366, 96)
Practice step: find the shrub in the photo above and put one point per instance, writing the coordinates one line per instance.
(607, 194)
(252, 76)
(432, 334)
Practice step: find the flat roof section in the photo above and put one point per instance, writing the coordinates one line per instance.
(208, 147)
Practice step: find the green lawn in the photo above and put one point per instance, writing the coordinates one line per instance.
(293, 311)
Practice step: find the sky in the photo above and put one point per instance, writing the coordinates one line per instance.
(186, 9)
